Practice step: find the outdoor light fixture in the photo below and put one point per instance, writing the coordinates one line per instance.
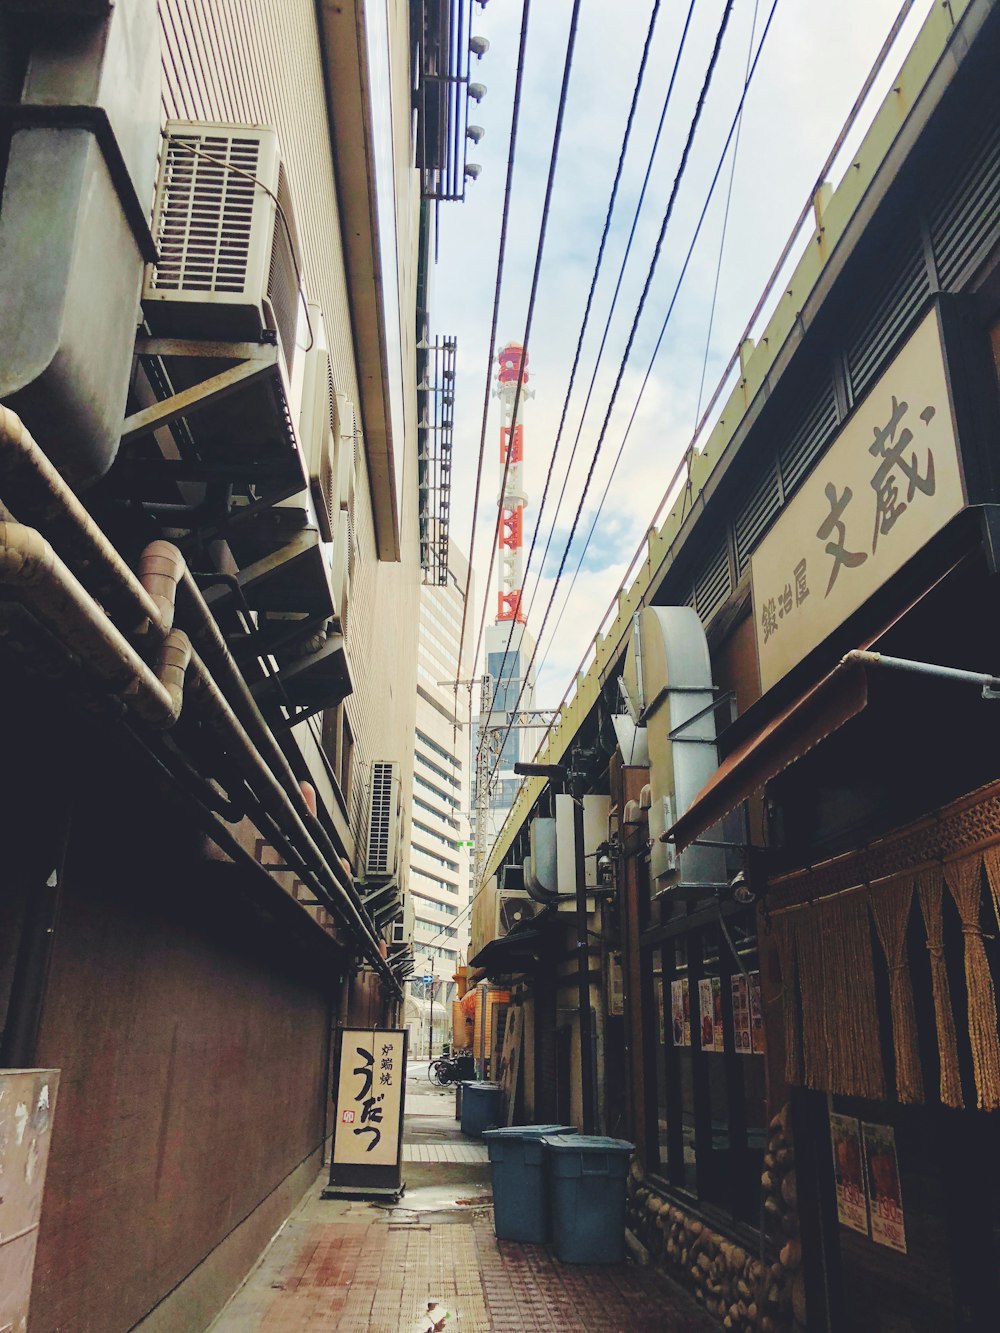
(742, 892)
(474, 132)
(477, 91)
(473, 170)
(478, 46)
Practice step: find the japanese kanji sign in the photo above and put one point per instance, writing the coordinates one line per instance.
(889, 482)
(369, 1097)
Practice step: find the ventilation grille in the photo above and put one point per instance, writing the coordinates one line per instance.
(714, 584)
(381, 820)
(965, 222)
(206, 213)
(282, 281)
(873, 345)
(756, 515)
(818, 423)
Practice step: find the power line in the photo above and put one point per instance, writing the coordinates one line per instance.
(659, 341)
(590, 298)
(539, 251)
(614, 302)
(514, 120)
(713, 61)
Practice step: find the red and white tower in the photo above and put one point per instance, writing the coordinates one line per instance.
(512, 372)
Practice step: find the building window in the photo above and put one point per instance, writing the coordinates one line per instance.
(708, 1038)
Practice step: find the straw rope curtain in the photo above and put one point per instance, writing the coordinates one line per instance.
(841, 1047)
(890, 907)
(784, 939)
(964, 879)
(991, 860)
(930, 894)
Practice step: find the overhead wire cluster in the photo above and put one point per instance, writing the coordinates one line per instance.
(667, 215)
(706, 84)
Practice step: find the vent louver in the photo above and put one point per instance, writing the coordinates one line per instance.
(817, 423)
(205, 213)
(713, 584)
(756, 515)
(964, 223)
(871, 348)
(383, 818)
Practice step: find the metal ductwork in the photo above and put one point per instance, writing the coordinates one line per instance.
(540, 866)
(668, 682)
(74, 233)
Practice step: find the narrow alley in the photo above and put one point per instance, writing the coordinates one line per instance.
(356, 1267)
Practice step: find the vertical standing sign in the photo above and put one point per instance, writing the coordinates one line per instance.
(368, 1118)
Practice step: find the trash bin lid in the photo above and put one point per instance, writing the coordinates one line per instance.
(527, 1131)
(588, 1143)
(483, 1087)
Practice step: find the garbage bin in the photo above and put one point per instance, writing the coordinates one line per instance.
(480, 1107)
(520, 1200)
(586, 1178)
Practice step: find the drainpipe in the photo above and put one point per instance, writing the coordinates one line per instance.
(30, 482)
(588, 1076)
(44, 586)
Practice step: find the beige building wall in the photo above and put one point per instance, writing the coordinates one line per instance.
(441, 793)
(260, 62)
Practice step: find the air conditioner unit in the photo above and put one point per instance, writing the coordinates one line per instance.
(318, 436)
(383, 819)
(514, 908)
(398, 933)
(222, 220)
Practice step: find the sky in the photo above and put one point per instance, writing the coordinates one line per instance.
(810, 70)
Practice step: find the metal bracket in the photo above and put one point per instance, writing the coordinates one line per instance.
(199, 395)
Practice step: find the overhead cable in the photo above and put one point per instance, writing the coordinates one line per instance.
(539, 252)
(692, 129)
(590, 298)
(670, 309)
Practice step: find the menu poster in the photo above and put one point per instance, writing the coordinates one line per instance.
(888, 1225)
(707, 1011)
(756, 1016)
(741, 1015)
(849, 1172)
(681, 1028)
(660, 1014)
(719, 1033)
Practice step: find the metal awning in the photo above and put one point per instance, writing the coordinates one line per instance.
(771, 748)
(500, 955)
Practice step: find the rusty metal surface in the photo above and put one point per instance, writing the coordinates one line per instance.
(27, 1105)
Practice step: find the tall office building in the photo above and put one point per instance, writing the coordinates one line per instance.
(439, 815)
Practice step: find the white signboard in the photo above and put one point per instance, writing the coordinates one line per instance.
(367, 1143)
(889, 482)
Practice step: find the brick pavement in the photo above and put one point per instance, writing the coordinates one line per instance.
(377, 1276)
(352, 1267)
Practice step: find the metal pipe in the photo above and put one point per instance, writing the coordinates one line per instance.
(43, 585)
(587, 1070)
(30, 481)
(860, 657)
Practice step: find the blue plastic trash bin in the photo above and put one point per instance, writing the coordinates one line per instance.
(586, 1178)
(480, 1107)
(520, 1199)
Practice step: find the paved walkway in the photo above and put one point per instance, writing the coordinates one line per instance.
(352, 1267)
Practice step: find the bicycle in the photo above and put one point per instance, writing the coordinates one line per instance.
(449, 1069)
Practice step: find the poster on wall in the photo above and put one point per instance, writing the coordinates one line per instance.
(719, 1034)
(660, 1011)
(849, 1172)
(680, 1012)
(756, 1016)
(368, 1117)
(882, 1167)
(706, 1012)
(741, 1015)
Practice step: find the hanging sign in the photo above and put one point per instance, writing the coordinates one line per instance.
(368, 1117)
(889, 481)
(680, 1009)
